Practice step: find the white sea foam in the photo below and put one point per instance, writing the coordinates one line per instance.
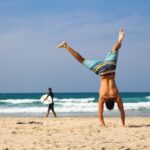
(148, 97)
(44, 109)
(19, 101)
(139, 105)
(23, 110)
(72, 107)
(77, 100)
(62, 105)
(65, 100)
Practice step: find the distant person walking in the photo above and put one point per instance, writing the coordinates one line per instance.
(50, 106)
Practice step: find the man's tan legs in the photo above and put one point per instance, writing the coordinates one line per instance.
(75, 54)
(117, 46)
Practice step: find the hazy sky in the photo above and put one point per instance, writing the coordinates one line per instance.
(31, 29)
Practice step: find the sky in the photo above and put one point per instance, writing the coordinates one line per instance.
(30, 30)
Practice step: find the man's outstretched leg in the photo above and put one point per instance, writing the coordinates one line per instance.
(54, 113)
(75, 54)
(117, 45)
(48, 112)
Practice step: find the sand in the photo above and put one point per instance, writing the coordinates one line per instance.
(74, 133)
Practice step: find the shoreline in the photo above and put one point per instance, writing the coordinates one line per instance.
(74, 133)
(113, 113)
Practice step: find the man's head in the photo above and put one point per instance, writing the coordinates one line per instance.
(110, 103)
(49, 89)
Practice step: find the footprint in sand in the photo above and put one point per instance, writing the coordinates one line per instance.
(13, 132)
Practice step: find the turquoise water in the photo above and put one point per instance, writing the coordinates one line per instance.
(70, 104)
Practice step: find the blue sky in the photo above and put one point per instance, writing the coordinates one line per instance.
(31, 29)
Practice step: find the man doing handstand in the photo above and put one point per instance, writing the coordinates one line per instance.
(108, 92)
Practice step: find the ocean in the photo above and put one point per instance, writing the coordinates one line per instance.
(70, 104)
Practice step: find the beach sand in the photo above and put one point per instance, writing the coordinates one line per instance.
(74, 133)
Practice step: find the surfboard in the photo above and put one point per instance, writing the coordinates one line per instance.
(47, 101)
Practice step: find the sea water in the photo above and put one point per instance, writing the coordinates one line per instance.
(70, 104)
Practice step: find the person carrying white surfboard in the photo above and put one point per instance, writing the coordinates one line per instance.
(51, 105)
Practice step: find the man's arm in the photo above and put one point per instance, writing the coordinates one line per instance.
(48, 94)
(100, 111)
(121, 109)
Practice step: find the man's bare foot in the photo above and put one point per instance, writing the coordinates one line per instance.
(121, 35)
(62, 45)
